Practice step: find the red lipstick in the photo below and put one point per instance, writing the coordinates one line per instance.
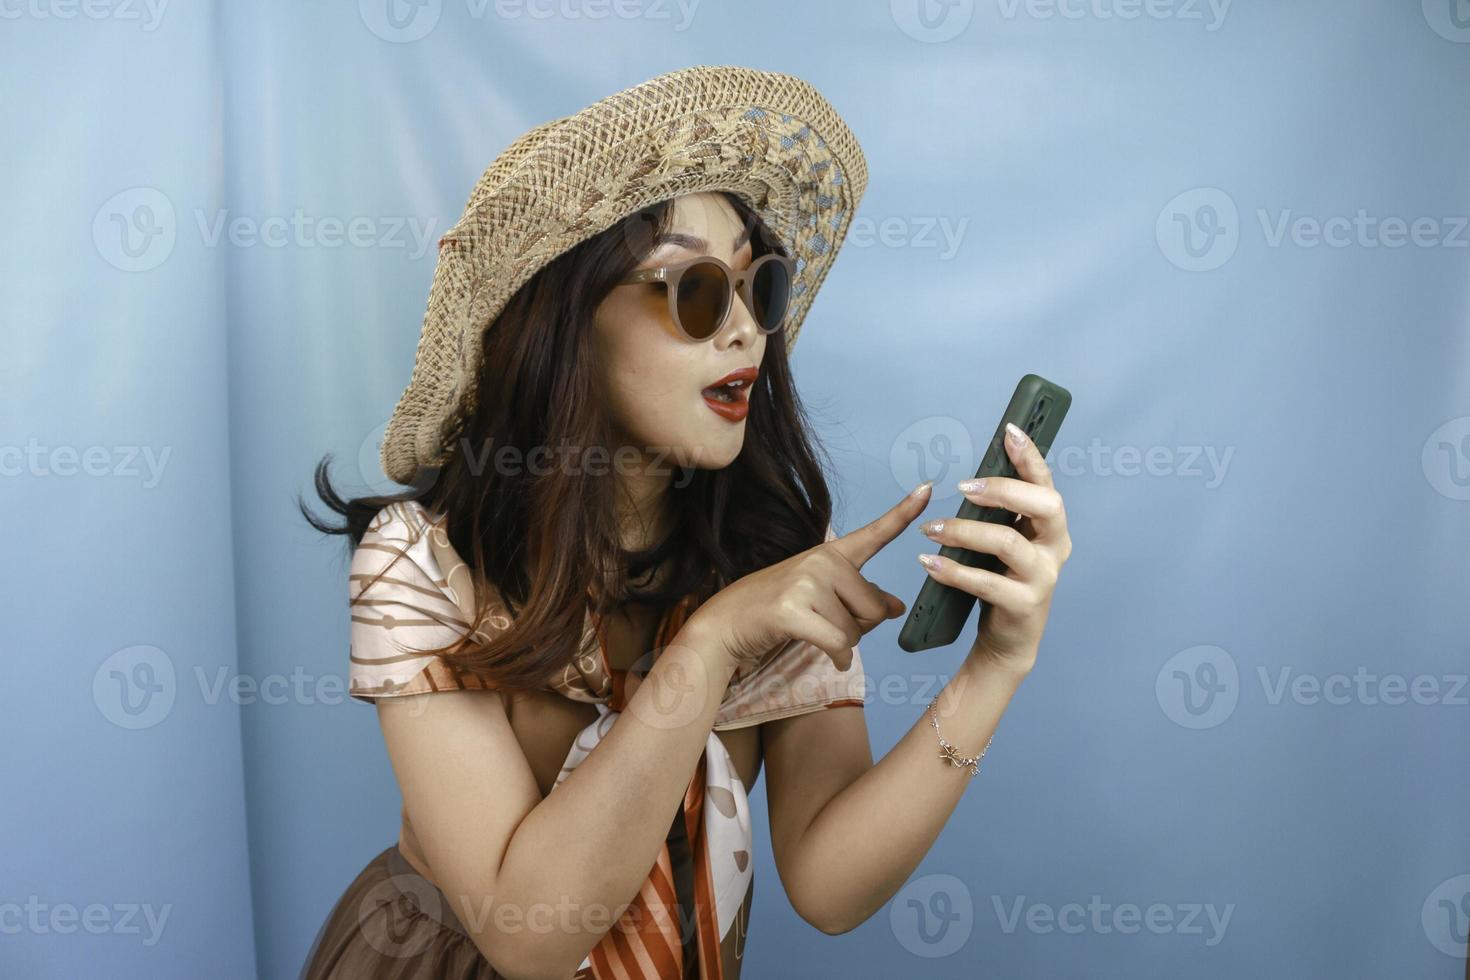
(729, 397)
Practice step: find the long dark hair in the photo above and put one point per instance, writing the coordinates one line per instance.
(541, 545)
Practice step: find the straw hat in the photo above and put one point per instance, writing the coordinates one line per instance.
(768, 137)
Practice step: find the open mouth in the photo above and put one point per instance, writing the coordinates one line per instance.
(734, 391)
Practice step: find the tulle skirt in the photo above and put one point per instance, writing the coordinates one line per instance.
(392, 922)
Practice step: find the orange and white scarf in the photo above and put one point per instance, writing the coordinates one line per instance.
(702, 877)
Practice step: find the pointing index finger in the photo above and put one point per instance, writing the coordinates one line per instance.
(862, 544)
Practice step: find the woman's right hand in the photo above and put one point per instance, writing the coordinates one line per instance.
(816, 595)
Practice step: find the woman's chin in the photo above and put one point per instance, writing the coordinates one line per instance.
(719, 451)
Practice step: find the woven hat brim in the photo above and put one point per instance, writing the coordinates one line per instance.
(768, 137)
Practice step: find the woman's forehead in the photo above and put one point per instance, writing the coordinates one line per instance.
(708, 216)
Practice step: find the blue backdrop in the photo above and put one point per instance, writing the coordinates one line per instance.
(1235, 231)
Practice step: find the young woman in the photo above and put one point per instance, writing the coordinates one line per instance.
(617, 597)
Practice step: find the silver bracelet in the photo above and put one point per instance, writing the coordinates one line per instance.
(948, 752)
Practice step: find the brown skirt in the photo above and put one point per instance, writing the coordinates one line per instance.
(393, 922)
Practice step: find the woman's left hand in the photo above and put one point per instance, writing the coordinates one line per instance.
(1034, 549)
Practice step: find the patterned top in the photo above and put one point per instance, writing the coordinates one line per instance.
(703, 873)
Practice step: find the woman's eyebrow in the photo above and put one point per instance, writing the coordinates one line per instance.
(697, 244)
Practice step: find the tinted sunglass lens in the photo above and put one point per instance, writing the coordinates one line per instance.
(772, 292)
(704, 296)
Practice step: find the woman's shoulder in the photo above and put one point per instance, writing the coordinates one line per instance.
(401, 518)
(402, 603)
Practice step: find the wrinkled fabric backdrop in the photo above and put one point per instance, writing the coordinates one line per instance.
(1235, 231)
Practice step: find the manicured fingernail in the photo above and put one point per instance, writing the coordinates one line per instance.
(932, 527)
(972, 486)
(1018, 438)
(930, 562)
(922, 488)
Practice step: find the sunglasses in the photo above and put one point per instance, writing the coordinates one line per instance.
(700, 292)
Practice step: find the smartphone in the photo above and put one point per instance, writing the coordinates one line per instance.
(939, 613)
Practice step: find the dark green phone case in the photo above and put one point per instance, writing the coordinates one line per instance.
(940, 611)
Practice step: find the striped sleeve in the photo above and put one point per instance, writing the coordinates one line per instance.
(401, 605)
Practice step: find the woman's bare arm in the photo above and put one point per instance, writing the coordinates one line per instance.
(538, 881)
(845, 833)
